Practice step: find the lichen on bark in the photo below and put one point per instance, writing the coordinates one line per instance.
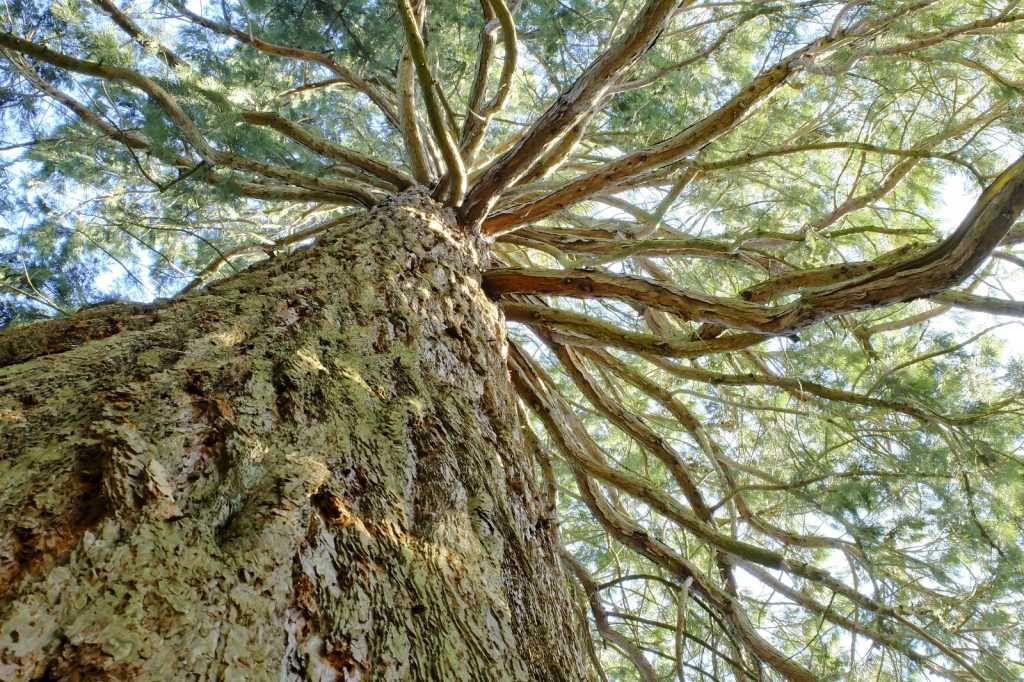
(311, 470)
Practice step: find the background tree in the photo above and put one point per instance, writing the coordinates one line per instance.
(750, 419)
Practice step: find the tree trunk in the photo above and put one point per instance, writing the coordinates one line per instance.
(311, 470)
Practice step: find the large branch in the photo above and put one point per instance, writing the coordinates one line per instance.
(478, 87)
(691, 139)
(562, 424)
(570, 108)
(579, 449)
(429, 89)
(421, 161)
(479, 114)
(788, 282)
(600, 333)
(164, 99)
(602, 250)
(585, 459)
(674, 148)
(306, 187)
(939, 268)
(811, 278)
(137, 34)
(982, 304)
(340, 190)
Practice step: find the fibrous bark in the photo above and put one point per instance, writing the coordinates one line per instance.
(311, 470)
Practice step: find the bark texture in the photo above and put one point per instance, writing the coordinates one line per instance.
(308, 471)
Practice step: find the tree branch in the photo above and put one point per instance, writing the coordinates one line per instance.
(571, 107)
(129, 26)
(360, 84)
(939, 268)
(328, 149)
(688, 141)
(438, 123)
(607, 334)
(478, 114)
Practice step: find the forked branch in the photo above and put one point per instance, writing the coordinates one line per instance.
(947, 264)
(571, 107)
(429, 89)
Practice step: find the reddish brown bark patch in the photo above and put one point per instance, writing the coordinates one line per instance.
(46, 537)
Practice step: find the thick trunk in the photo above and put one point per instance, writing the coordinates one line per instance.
(311, 470)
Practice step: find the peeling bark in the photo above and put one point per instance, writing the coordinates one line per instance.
(309, 471)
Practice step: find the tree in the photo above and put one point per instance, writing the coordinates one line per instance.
(733, 430)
